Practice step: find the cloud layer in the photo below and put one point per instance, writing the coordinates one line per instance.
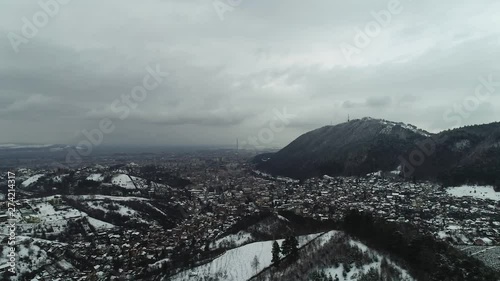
(227, 76)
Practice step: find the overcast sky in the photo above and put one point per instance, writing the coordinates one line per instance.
(230, 70)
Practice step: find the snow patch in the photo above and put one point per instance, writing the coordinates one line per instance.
(95, 177)
(32, 180)
(233, 240)
(480, 192)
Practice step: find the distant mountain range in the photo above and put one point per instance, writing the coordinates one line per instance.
(466, 155)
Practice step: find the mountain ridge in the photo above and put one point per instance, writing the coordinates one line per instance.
(367, 145)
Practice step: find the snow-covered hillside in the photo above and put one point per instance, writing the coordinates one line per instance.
(30, 255)
(235, 264)
(337, 255)
(129, 182)
(48, 214)
(124, 181)
(233, 240)
(354, 273)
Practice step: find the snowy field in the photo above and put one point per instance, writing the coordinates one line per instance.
(47, 215)
(59, 219)
(480, 192)
(29, 255)
(129, 182)
(31, 180)
(235, 264)
(123, 181)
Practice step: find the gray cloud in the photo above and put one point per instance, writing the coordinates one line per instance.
(226, 77)
(378, 101)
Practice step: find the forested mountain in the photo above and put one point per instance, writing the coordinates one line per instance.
(465, 155)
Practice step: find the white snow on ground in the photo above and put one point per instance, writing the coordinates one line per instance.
(480, 192)
(377, 174)
(233, 240)
(31, 180)
(42, 212)
(236, 264)
(323, 239)
(359, 245)
(397, 171)
(97, 206)
(405, 126)
(442, 235)
(21, 238)
(123, 181)
(282, 218)
(57, 219)
(159, 264)
(57, 179)
(29, 257)
(95, 177)
(143, 184)
(126, 211)
(98, 224)
(355, 273)
(65, 265)
(113, 198)
(127, 181)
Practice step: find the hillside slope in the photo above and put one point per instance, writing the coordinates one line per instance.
(236, 264)
(359, 147)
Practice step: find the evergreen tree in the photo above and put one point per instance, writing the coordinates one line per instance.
(294, 247)
(276, 253)
(285, 247)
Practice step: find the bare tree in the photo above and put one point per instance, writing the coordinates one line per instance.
(255, 264)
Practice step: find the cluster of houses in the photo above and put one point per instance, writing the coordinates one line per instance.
(226, 189)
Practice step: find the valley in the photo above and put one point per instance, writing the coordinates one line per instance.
(194, 224)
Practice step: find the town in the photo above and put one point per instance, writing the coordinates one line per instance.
(127, 220)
